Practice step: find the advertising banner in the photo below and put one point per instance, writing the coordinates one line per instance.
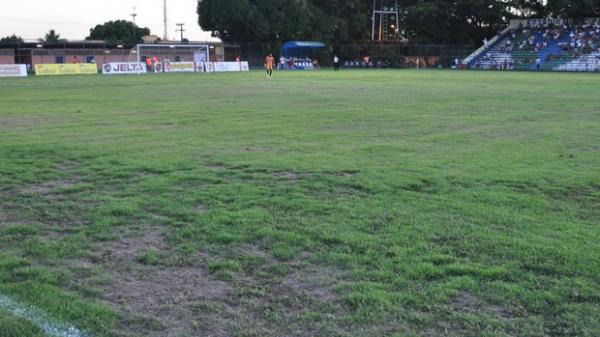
(545, 22)
(117, 68)
(13, 70)
(230, 66)
(179, 67)
(66, 69)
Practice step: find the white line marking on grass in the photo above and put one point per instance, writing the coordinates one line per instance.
(37, 318)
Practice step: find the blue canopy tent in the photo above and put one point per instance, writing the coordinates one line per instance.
(300, 48)
(297, 54)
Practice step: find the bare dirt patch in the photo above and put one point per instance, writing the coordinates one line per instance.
(468, 303)
(50, 187)
(54, 186)
(346, 174)
(457, 321)
(170, 301)
(159, 217)
(216, 166)
(313, 281)
(289, 175)
(200, 209)
(127, 248)
(163, 296)
(257, 149)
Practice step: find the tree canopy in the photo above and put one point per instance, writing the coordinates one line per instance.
(349, 21)
(120, 31)
(281, 20)
(12, 39)
(51, 37)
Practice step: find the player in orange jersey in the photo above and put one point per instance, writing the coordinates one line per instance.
(269, 64)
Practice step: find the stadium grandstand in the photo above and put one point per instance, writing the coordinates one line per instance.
(543, 44)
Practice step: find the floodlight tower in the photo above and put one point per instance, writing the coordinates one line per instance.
(385, 20)
(165, 35)
(134, 14)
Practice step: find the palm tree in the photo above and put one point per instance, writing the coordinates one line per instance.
(51, 36)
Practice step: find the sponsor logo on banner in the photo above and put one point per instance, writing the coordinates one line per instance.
(116, 68)
(13, 70)
(180, 67)
(66, 69)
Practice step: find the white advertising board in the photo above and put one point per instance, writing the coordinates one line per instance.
(230, 66)
(13, 70)
(116, 68)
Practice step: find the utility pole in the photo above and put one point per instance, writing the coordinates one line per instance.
(133, 15)
(166, 35)
(180, 30)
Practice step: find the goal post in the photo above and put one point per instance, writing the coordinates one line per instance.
(174, 53)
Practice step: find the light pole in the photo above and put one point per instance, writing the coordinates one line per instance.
(166, 36)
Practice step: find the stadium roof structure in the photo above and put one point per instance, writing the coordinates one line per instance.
(300, 48)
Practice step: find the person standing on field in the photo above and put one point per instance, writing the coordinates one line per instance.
(336, 63)
(156, 62)
(269, 63)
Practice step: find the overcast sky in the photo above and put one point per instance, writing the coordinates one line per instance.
(72, 19)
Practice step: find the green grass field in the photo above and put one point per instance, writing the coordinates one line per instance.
(367, 203)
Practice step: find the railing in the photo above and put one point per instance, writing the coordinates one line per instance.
(490, 44)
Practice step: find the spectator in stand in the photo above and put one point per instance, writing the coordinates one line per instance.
(367, 61)
(281, 63)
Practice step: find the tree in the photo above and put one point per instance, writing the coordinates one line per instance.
(13, 39)
(118, 31)
(453, 22)
(341, 21)
(349, 21)
(52, 37)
